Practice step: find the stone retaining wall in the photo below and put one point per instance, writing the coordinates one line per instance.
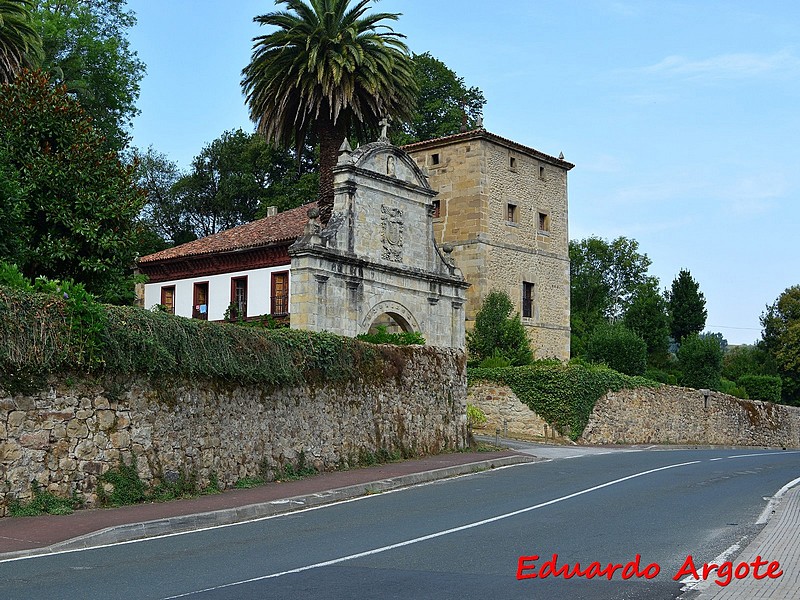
(504, 411)
(673, 415)
(664, 415)
(66, 435)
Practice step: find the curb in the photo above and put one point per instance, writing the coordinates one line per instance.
(229, 516)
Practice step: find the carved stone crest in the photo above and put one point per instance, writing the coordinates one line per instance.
(392, 238)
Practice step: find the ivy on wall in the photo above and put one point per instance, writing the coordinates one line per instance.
(55, 332)
(564, 395)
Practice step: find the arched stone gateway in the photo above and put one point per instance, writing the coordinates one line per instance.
(388, 313)
(377, 255)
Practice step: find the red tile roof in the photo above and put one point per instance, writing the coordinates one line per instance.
(283, 227)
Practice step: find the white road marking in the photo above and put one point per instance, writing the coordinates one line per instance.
(765, 454)
(432, 535)
(691, 583)
(773, 502)
(366, 496)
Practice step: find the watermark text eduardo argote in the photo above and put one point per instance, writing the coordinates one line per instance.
(532, 567)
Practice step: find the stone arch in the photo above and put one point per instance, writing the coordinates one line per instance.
(389, 161)
(399, 313)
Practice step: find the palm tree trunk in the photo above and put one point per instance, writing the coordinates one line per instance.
(330, 138)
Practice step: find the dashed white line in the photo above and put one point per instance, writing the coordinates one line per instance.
(432, 535)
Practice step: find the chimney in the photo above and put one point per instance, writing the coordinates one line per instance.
(272, 211)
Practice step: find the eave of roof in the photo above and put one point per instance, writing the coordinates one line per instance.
(282, 228)
(482, 133)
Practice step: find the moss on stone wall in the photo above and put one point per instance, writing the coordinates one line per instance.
(562, 394)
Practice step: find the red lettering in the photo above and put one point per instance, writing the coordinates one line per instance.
(687, 568)
(741, 575)
(613, 569)
(707, 568)
(627, 574)
(771, 570)
(592, 570)
(651, 571)
(576, 570)
(758, 562)
(522, 566)
(725, 571)
(550, 567)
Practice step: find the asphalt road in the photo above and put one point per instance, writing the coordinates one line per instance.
(459, 538)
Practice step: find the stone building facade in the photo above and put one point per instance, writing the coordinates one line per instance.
(499, 205)
(376, 257)
(502, 207)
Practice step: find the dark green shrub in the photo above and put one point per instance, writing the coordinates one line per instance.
(726, 386)
(661, 376)
(498, 332)
(382, 336)
(762, 387)
(619, 348)
(700, 362)
(44, 503)
(43, 333)
(744, 360)
(126, 485)
(496, 361)
(563, 395)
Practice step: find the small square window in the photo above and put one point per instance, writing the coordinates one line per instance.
(436, 209)
(542, 221)
(512, 214)
(435, 159)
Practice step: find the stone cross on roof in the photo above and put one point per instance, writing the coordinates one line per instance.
(384, 123)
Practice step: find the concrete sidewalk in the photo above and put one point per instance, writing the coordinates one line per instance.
(20, 537)
(778, 541)
(26, 536)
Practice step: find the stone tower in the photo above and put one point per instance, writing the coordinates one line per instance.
(502, 206)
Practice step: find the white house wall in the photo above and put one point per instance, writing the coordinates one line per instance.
(259, 292)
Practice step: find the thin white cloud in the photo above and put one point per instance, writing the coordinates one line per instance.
(726, 66)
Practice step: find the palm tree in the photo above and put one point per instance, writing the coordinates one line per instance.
(327, 68)
(20, 44)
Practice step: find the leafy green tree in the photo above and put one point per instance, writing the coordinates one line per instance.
(647, 317)
(233, 180)
(20, 44)
(762, 387)
(13, 229)
(326, 68)
(444, 103)
(86, 49)
(745, 360)
(781, 341)
(498, 332)
(162, 215)
(700, 362)
(618, 347)
(603, 278)
(687, 306)
(79, 203)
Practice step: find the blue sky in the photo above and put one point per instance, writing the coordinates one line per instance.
(681, 117)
